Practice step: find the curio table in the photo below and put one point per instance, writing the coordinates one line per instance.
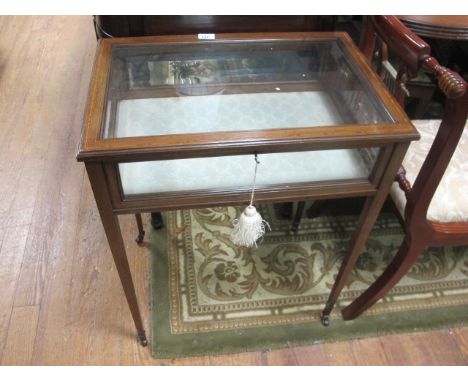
(174, 122)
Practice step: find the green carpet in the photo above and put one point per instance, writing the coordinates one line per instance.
(210, 297)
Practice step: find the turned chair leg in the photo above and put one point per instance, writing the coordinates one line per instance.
(406, 256)
(297, 218)
(141, 232)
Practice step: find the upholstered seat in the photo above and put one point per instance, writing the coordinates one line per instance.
(450, 202)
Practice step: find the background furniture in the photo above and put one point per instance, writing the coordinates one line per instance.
(437, 26)
(433, 205)
(132, 26)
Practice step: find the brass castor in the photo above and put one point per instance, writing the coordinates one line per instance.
(142, 339)
(325, 319)
(140, 237)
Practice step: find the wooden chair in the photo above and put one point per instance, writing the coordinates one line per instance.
(432, 194)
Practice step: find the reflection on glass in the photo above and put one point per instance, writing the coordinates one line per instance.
(233, 86)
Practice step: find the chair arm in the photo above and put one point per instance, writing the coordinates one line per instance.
(416, 54)
(450, 82)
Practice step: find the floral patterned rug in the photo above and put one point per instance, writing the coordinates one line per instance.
(209, 296)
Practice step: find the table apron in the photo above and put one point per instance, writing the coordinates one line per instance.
(327, 189)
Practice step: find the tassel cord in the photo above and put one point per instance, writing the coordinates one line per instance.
(254, 180)
(250, 226)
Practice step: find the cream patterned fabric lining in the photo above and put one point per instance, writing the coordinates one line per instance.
(450, 202)
(238, 171)
(229, 112)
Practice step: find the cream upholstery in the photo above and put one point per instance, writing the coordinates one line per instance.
(450, 202)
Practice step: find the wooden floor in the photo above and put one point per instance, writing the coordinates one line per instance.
(60, 298)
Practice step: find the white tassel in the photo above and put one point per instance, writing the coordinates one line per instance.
(248, 228)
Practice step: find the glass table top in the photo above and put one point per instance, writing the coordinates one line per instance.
(185, 88)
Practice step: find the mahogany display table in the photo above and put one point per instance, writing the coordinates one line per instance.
(175, 121)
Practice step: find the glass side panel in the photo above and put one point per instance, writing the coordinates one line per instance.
(160, 89)
(234, 172)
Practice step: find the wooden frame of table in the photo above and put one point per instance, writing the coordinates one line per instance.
(102, 156)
